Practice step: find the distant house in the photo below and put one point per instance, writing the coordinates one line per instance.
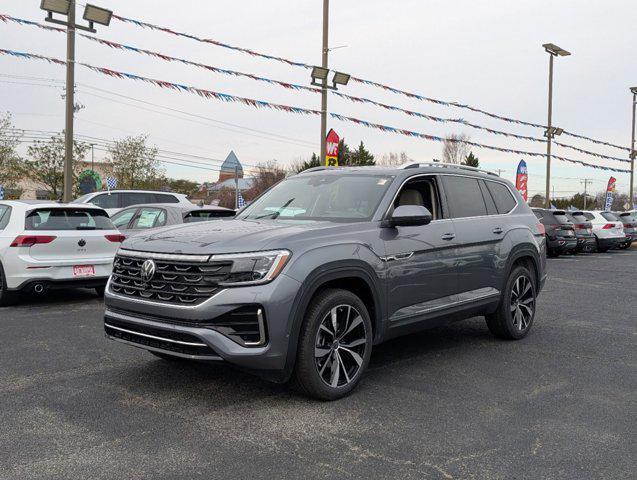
(229, 166)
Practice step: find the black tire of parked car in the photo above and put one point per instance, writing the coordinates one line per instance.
(624, 246)
(601, 249)
(317, 344)
(6, 298)
(552, 254)
(100, 291)
(503, 322)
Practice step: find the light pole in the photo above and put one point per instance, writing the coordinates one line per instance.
(633, 152)
(319, 78)
(93, 15)
(553, 51)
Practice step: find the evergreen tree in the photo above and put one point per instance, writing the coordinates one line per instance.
(472, 160)
(361, 157)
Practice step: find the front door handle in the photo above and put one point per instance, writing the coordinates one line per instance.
(497, 230)
(448, 236)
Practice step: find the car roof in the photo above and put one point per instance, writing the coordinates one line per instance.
(179, 206)
(405, 170)
(30, 204)
(137, 191)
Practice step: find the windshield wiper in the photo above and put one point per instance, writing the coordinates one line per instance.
(274, 215)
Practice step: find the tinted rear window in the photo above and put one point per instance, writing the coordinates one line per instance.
(165, 198)
(465, 197)
(67, 219)
(502, 197)
(206, 215)
(611, 217)
(589, 216)
(577, 218)
(561, 218)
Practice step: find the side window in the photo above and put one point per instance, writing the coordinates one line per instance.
(149, 218)
(164, 198)
(502, 197)
(5, 214)
(123, 218)
(538, 214)
(488, 199)
(133, 198)
(106, 201)
(464, 197)
(421, 191)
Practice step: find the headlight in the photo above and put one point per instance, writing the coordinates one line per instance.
(252, 268)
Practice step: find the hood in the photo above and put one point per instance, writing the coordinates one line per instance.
(220, 236)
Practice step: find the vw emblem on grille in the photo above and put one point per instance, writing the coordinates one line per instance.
(148, 270)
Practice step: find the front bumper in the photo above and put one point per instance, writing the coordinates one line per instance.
(139, 321)
(586, 244)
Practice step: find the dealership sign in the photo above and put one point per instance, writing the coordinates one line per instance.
(331, 150)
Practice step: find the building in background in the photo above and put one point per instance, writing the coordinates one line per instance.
(228, 167)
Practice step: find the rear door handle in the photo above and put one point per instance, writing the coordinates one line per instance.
(497, 230)
(448, 236)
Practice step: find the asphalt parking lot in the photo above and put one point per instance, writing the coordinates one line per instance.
(448, 403)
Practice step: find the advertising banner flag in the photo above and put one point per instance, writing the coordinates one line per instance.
(610, 191)
(521, 180)
(331, 154)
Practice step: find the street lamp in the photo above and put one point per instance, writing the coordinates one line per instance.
(553, 51)
(633, 152)
(92, 15)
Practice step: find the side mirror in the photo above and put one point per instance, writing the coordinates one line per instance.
(409, 216)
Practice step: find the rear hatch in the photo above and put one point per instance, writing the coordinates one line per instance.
(63, 234)
(613, 225)
(583, 227)
(562, 226)
(630, 223)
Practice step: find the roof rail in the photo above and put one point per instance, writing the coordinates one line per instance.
(445, 165)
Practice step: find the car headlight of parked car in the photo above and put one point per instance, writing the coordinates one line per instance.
(252, 268)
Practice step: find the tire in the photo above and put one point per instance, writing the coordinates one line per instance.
(552, 254)
(601, 249)
(512, 320)
(168, 358)
(6, 298)
(624, 246)
(100, 291)
(335, 344)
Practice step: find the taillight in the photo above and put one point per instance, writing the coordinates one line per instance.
(580, 225)
(608, 226)
(116, 238)
(541, 230)
(30, 240)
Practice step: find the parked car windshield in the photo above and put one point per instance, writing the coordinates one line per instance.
(321, 197)
(67, 219)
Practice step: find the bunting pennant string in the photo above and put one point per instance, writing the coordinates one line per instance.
(292, 86)
(224, 97)
(254, 53)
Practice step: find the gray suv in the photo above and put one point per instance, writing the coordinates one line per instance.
(304, 281)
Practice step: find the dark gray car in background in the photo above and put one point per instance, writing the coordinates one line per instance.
(326, 264)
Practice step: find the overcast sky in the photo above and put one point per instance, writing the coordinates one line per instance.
(484, 53)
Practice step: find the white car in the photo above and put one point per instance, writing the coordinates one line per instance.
(607, 229)
(46, 245)
(115, 200)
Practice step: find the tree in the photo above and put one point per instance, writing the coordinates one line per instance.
(361, 157)
(343, 153)
(45, 165)
(472, 160)
(455, 148)
(187, 187)
(11, 164)
(537, 200)
(299, 164)
(393, 159)
(135, 164)
(267, 175)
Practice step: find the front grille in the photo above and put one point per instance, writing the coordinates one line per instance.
(145, 336)
(175, 281)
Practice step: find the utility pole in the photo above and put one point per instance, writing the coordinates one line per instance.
(70, 107)
(586, 182)
(633, 152)
(326, 50)
(92, 156)
(236, 187)
(500, 170)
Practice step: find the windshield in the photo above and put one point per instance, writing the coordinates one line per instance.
(321, 197)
